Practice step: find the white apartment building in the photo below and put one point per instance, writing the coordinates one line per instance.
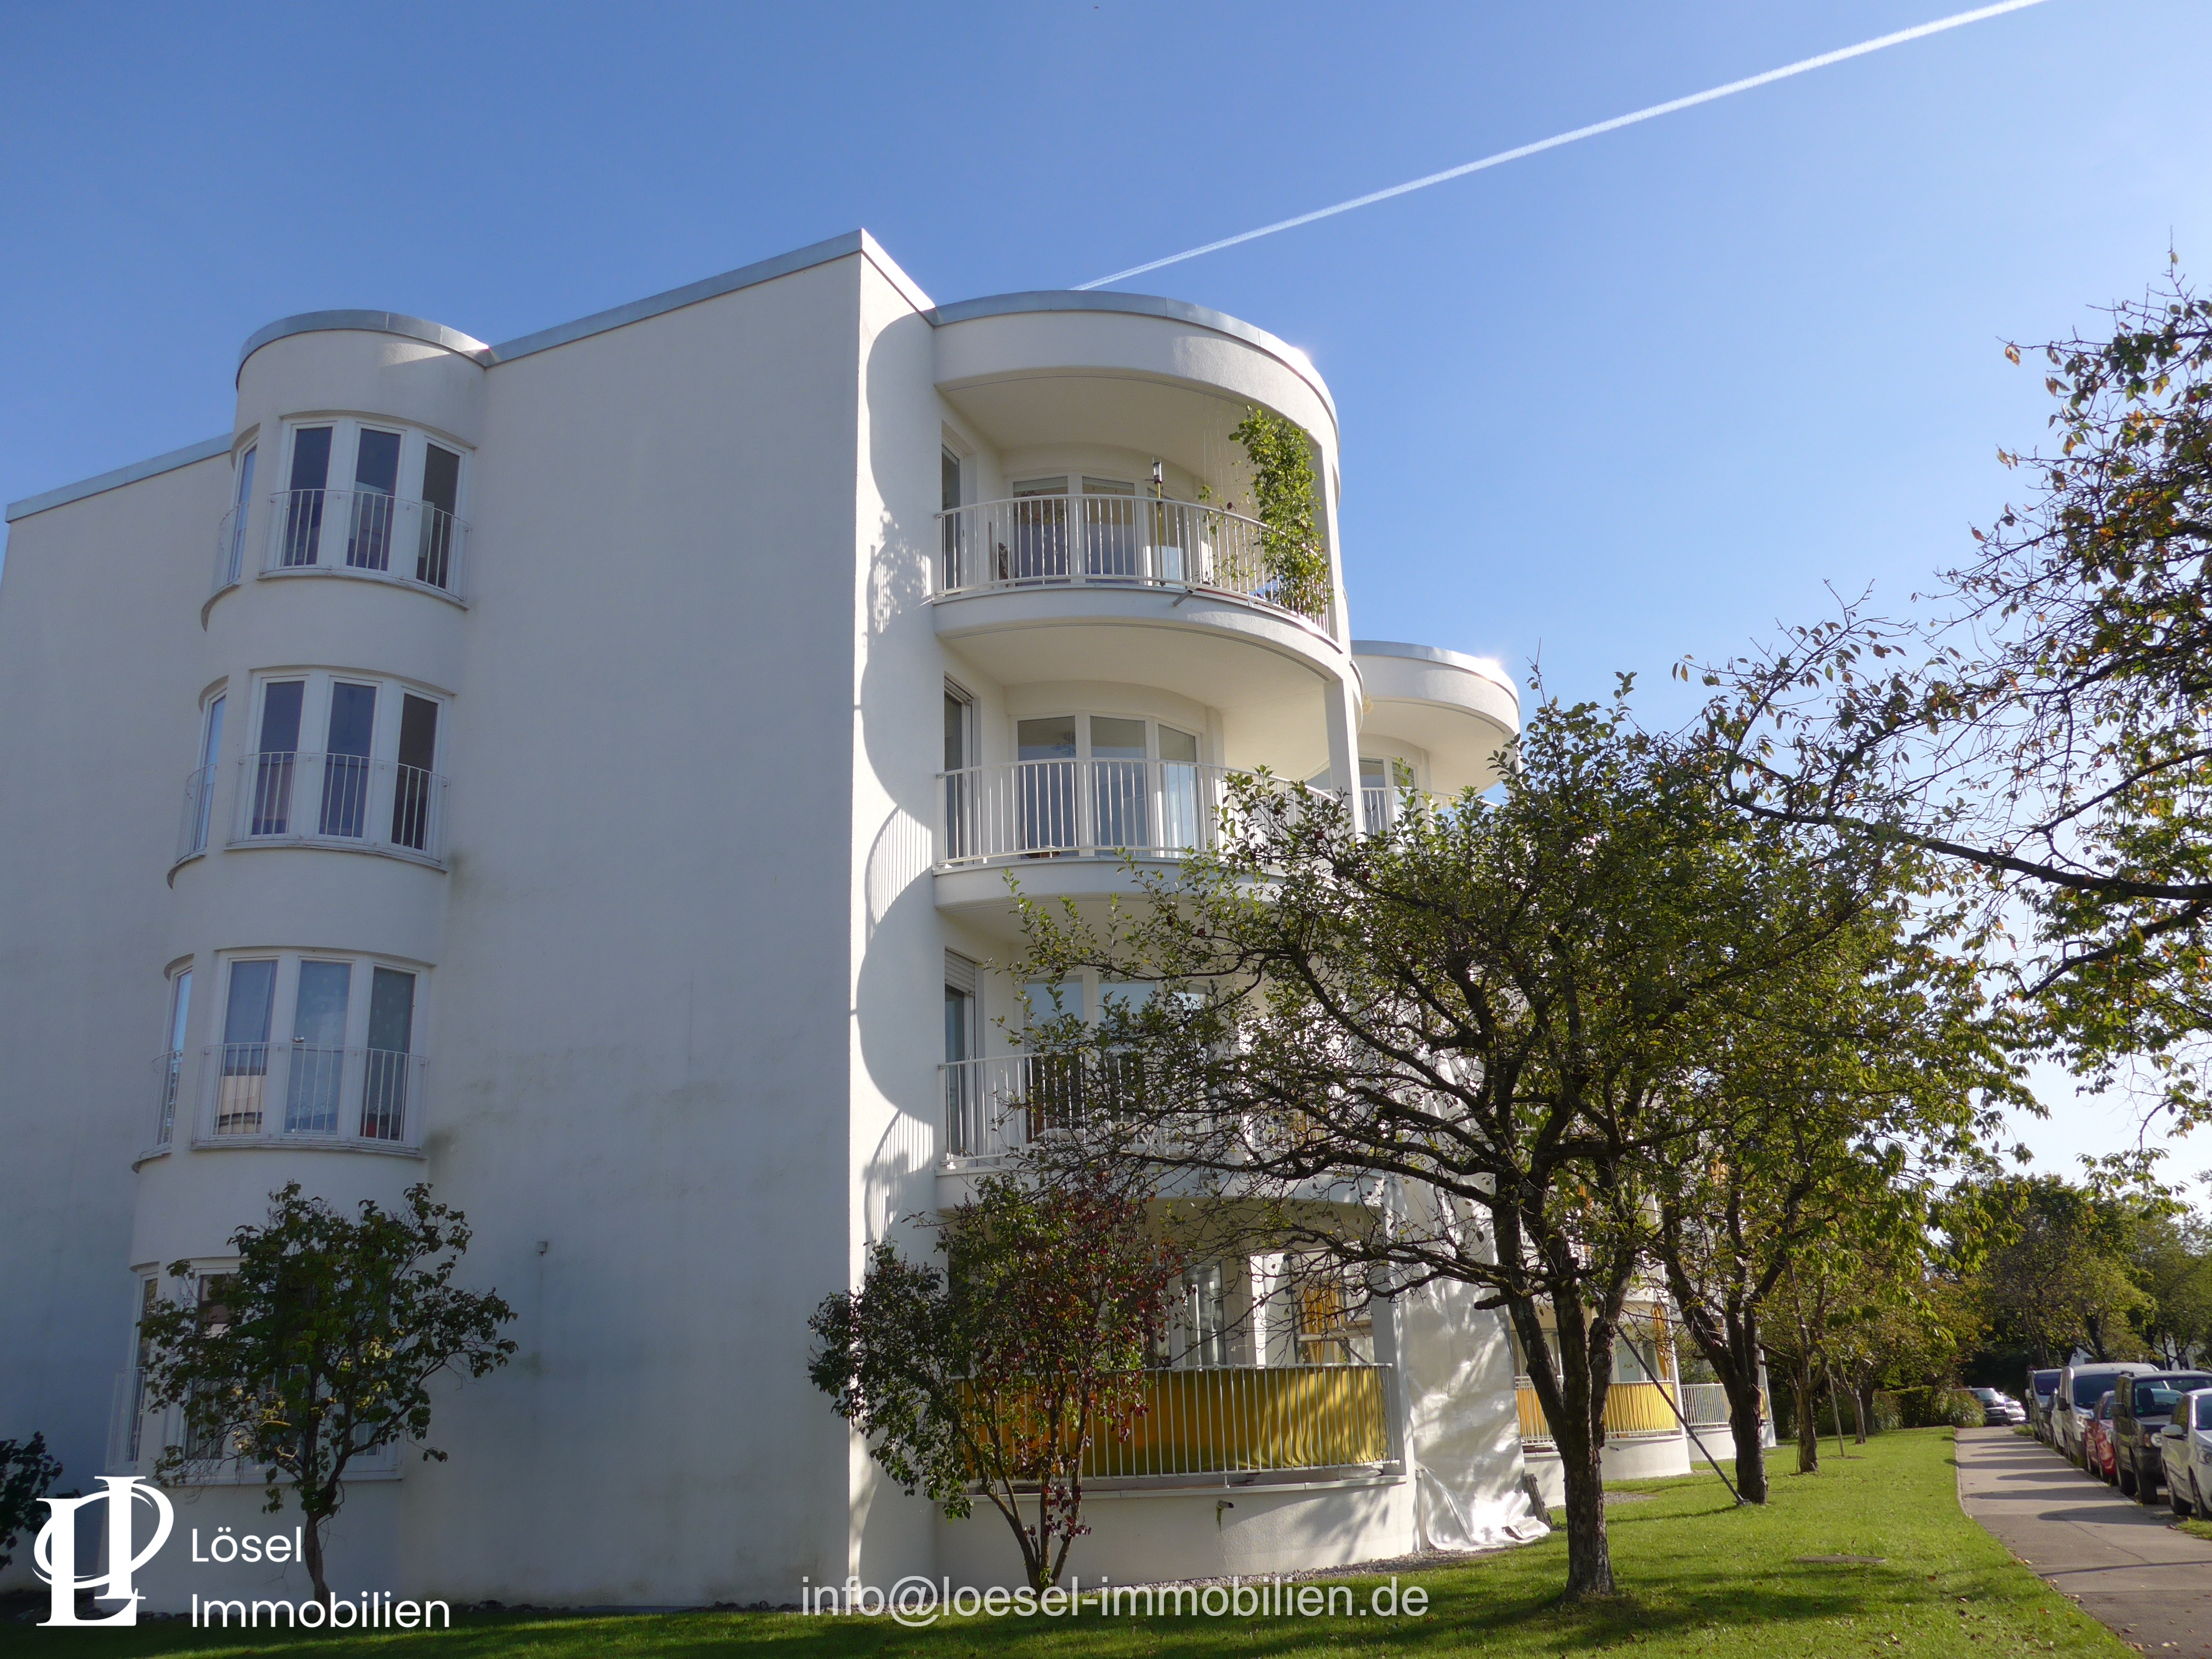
(584, 773)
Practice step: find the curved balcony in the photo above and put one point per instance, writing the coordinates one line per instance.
(302, 1094)
(1460, 710)
(1118, 543)
(1067, 828)
(1180, 596)
(347, 802)
(362, 534)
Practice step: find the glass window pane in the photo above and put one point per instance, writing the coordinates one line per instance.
(319, 1014)
(376, 464)
(956, 733)
(949, 481)
(441, 478)
(310, 458)
(1051, 739)
(1050, 1001)
(418, 733)
(212, 741)
(1179, 746)
(1108, 487)
(353, 717)
(959, 1024)
(280, 717)
(180, 1002)
(392, 1011)
(253, 989)
(246, 477)
(1116, 739)
(1040, 486)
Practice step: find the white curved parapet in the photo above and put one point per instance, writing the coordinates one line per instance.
(1462, 710)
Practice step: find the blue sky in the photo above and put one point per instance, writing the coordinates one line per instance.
(1637, 398)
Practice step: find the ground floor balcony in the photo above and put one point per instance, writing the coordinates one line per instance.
(1250, 1421)
(1633, 1411)
(140, 1433)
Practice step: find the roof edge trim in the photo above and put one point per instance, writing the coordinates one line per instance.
(373, 322)
(1488, 668)
(192, 453)
(1141, 305)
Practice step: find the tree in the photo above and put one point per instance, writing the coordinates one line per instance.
(2173, 1263)
(1281, 458)
(1865, 1073)
(1006, 1367)
(2062, 1277)
(2046, 726)
(1455, 1048)
(316, 1350)
(28, 1474)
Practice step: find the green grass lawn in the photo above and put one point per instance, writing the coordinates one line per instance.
(1698, 1576)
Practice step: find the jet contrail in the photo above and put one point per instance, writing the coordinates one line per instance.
(1958, 21)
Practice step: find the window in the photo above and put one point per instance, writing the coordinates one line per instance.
(349, 1068)
(242, 502)
(372, 782)
(1335, 1327)
(1197, 1336)
(149, 1289)
(414, 539)
(199, 788)
(1106, 783)
(961, 794)
(212, 1314)
(170, 1066)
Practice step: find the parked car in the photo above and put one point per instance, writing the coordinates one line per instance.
(1998, 1409)
(2139, 1416)
(2042, 1389)
(2079, 1389)
(2186, 1442)
(2097, 1441)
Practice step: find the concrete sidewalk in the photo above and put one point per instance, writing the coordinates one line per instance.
(2123, 1562)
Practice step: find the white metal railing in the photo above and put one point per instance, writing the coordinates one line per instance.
(340, 800)
(365, 532)
(198, 808)
(999, 1104)
(1705, 1405)
(1120, 541)
(168, 1069)
(1381, 808)
(303, 1090)
(1038, 809)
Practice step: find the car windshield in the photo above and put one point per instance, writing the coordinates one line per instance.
(2163, 1394)
(1987, 1396)
(2204, 1412)
(2088, 1390)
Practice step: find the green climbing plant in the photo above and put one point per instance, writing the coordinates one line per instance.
(1281, 456)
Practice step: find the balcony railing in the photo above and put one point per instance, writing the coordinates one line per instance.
(305, 1091)
(1061, 808)
(995, 1106)
(1245, 1419)
(340, 800)
(365, 532)
(198, 808)
(1633, 1411)
(1114, 541)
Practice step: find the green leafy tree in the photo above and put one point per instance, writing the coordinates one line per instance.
(2061, 1275)
(2046, 726)
(1455, 1049)
(1865, 1073)
(2173, 1264)
(316, 1349)
(1281, 458)
(28, 1474)
(1001, 1370)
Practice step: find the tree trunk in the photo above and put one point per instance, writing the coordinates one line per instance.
(1858, 1418)
(1808, 1427)
(1745, 1424)
(1590, 1554)
(311, 1541)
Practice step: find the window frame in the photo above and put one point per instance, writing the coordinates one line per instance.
(310, 761)
(333, 530)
